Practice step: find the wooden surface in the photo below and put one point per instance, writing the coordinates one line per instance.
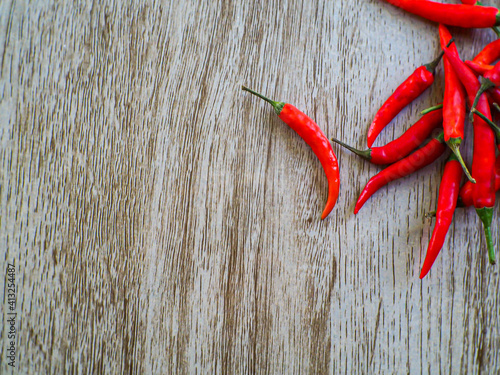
(161, 220)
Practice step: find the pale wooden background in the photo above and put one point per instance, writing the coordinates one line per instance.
(163, 221)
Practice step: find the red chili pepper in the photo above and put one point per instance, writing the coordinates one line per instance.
(408, 91)
(447, 201)
(453, 103)
(468, 16)
(469, 2)
(418, 160)
(465, 195)
(477, 68)
(490, 80)
(489, 54)
(402, 146)
(494, 95)
(310, 132)
(494, 74)
(483, 160)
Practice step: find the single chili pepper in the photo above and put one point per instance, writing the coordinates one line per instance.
(489, 54)
(467, 16)
(311, 133)
(402, 146)
(447, 201)
(453, 103)
(483, 159)
(478, 68)
(408, 91)
(465, 195)
(418, 160)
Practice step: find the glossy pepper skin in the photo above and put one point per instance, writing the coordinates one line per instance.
(418, 160)
(447, 201)
(461, 15)
(406, 143)
(408, 91)
(311, 133)
(489, 54)
(465, 194)
(453, 103)
(493, 74)
(477, 68)
(483, 159)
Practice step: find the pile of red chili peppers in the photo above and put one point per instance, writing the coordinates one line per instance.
(472, 85)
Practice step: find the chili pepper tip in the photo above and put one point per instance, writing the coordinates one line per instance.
(486, 214)
(365, 154)
(278, 106)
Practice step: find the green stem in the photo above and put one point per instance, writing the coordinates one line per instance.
(494, 28)
(278, 106)
(365, 154)
(495, 128)
(432, 65)
(430, 214)
(485, 85)
(454, 145)
(486, 214)
(430, 109)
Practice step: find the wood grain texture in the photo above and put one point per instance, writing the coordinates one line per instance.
(163, 221)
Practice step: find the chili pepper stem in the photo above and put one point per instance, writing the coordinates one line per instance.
(430, 109)
(454, 145)
(278, 106)
(485, 85)
(430, 214)
(494, 28)
(497, 107)
(495, 128)
(486, 214)
(434, 63)
(365, 154)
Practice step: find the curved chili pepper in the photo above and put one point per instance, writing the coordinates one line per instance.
(489, 54)
(483, 159)
(310, 132)
(402, 146)
(408, 91)
(478, 68)
(453, 103)
(447, 201)
(418, 160)
(468, 16)
(465, 195)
